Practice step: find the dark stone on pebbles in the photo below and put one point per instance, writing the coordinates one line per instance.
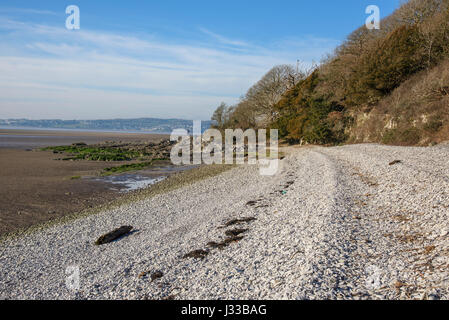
(233, 239)
(239, 220)
(113, 235)
(235, 232)
(197, 254)
(225, 242)
(394, 162)
(156, 275)
(217, 245)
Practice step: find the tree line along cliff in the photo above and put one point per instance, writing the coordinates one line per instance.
(389, 85)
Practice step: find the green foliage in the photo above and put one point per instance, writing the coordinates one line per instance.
(405, 137)
(129, 167)
(383, 66)
(126, 168)
(305, 116)
(360, 76)
(365, 70)
(84, 152)
(396, 58)
(433, 125)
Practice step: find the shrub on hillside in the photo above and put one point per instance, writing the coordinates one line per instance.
(375, 76)
(404, 137)
(384, 68)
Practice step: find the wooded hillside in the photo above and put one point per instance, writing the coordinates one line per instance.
(389, 85)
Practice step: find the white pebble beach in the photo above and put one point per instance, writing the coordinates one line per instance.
(333, 223)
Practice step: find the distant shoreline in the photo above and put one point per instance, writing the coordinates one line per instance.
(2, 127)
(37, 138)
(134, 125)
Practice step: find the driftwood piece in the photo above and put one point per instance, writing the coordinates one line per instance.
(394, 162)
(113, 235)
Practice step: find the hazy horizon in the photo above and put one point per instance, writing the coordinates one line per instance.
(100, 119)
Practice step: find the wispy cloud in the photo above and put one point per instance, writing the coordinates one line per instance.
(224, 40)
(48, 71)
(27, 11)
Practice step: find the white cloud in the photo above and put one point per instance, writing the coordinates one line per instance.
(224, 40)
(50, 72)
(27, 11)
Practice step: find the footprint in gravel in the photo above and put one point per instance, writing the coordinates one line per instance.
(154, 275)
(288, 184)
(235, 232)
(217, 245)
(225, 242)
(237, 221)
(197, 254)
(253, 203)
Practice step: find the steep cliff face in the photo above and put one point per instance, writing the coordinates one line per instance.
(415, 113)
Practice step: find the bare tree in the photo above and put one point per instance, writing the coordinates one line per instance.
(219, 115)
(263, 95)
(413, 12)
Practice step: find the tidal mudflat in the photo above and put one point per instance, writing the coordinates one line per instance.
(36, 187)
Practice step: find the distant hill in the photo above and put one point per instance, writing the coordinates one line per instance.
(153, 125)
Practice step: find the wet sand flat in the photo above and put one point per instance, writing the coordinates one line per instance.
(23, 139)
(35, 188)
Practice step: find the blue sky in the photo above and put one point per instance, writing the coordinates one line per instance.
(168, 59)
